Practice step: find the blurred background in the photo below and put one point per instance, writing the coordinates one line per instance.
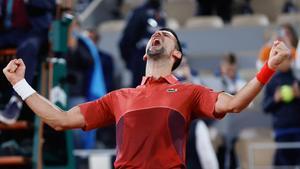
(78, 50)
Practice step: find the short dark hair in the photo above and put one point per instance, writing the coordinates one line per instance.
(178, 46)
(230, 58)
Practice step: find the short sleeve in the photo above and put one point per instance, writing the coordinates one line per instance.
(204, 100)
(97, 113)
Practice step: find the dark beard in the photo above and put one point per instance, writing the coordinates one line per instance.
(155, 53)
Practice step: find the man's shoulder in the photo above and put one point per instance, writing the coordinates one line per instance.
(123, 91)
(190, 86)
(196, 87)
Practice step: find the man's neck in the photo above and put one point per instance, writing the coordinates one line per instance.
(158, 69)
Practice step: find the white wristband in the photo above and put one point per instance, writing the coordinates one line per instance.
(23, 89)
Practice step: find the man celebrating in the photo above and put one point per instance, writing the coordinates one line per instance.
(152, 119)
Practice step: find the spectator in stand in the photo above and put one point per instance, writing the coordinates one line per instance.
(142, 23)
(285, 33)
(185, 73)
(229, 77)
(290, 7)
(246, 7)
(221, 8)
(24, 26)
(281, 100)
(81, 75)
(229, 80)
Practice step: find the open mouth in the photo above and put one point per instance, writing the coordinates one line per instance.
(156, 42)
(155, 48)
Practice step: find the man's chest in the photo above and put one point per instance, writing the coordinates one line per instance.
(171, 97)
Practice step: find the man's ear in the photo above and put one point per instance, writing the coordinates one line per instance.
(145, 57)
(177, 54)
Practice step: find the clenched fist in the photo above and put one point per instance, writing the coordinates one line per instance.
(278, 54)
(14, 71)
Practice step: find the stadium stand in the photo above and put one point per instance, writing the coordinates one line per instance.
(250, 20)
(204, 22)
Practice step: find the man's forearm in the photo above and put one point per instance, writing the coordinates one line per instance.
(245, 96)
(227, 103)
(47, 111)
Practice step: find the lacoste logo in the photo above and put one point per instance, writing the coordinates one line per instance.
(171, 90)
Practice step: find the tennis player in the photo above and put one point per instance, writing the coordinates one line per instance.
(152, 120)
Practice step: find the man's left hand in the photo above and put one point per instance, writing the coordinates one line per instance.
(278, 54)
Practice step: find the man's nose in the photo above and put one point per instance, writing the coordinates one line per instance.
(157, 34)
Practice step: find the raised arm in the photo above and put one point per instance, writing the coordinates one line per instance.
(227, 103)
(49, 113)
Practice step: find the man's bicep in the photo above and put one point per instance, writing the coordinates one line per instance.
(204, 102)
(97, 113)
(75, 118)
(222, 104)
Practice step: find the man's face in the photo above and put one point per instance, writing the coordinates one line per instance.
(229, 70)
(160, 44)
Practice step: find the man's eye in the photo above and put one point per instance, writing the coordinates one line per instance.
(165, 34)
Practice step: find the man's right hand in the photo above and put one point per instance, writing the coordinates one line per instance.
(14, 71)
(49, 113)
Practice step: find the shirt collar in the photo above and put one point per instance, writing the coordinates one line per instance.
(171, 79)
